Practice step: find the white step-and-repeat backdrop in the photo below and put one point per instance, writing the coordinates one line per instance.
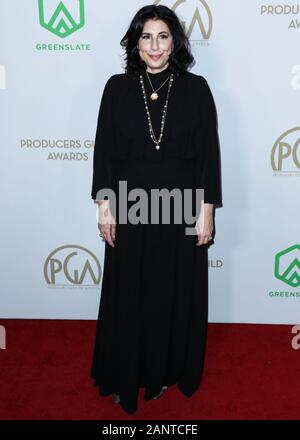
(55, 57)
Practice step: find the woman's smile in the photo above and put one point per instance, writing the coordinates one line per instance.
(155, 57)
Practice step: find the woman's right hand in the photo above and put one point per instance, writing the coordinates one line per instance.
(106, 222)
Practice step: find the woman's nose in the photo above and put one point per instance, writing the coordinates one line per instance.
(154, 44)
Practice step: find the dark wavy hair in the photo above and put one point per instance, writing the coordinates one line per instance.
(179, 60)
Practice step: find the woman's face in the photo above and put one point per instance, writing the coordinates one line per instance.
(155, 45)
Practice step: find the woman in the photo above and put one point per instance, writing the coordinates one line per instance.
(156, 129)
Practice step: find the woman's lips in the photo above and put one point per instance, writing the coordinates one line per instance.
(155, 57)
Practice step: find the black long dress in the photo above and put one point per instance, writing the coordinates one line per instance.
(152, 322)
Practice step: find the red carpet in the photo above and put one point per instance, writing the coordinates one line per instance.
(251, 372)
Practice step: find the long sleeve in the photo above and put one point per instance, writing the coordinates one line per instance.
(102, 169)
(210, 173)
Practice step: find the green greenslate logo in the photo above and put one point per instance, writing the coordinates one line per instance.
(287, 265)
(61, 22)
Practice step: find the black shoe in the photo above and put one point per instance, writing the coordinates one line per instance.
(116, 397)
(164, 388)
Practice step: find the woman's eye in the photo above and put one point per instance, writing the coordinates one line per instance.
(162, 36)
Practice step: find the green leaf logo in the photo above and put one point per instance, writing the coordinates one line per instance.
(287, 265)
(61, 22)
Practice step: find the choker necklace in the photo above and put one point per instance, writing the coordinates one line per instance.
(152, 135)
(154, 96)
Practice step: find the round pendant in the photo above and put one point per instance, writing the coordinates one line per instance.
(157, 147)
(154, 96)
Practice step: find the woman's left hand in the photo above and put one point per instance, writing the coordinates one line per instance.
(205, 224)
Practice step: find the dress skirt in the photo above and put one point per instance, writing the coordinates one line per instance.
(153, 312)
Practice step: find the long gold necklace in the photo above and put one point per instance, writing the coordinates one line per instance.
(152, 135)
